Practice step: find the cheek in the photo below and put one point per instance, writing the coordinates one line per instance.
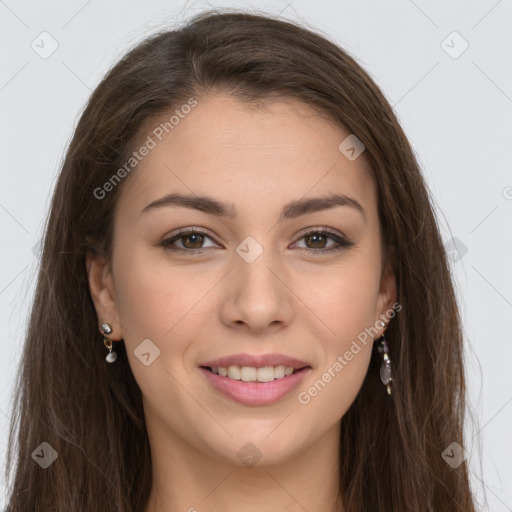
(344, 299)
(163, 303)
(330, 394)
(153, 294)
(148, 305)
(346, 305)
(345, 310)
(156, 303)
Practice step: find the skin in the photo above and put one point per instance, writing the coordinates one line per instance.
(196, 307)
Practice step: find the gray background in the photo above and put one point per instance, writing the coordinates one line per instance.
(455, 107)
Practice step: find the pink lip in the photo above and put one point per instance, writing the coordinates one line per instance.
(256, 361)
(255, 393)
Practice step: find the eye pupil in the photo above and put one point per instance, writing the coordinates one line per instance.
(317, 236)
(197, 244)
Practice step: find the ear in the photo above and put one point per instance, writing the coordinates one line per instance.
(387, 292)
(101, 288)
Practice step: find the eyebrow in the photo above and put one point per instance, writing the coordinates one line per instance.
(290, 210)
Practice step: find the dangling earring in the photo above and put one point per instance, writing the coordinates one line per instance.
(385, 367)
(111, 356)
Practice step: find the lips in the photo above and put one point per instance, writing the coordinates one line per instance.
(257, 361)
(256, 393)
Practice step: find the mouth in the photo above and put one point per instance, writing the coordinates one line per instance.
(253, 373)
(255, 386)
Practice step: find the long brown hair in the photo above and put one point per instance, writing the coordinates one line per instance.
(91, 413)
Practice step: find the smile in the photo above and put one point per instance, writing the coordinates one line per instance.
(255, 386)
(254, 374)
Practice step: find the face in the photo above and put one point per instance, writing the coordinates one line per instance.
(188, 286)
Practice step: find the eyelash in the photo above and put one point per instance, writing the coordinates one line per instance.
(342, 242)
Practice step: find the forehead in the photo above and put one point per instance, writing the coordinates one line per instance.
(283, 150)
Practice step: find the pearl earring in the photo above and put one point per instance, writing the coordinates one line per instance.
(111, 356)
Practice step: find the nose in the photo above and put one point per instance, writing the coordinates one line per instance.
(258, 294)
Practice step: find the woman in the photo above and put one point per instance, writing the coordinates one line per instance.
(241, 229)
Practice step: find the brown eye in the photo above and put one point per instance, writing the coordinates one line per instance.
(316, 241)
(191, 240)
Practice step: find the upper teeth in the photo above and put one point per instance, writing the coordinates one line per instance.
(253, 374)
